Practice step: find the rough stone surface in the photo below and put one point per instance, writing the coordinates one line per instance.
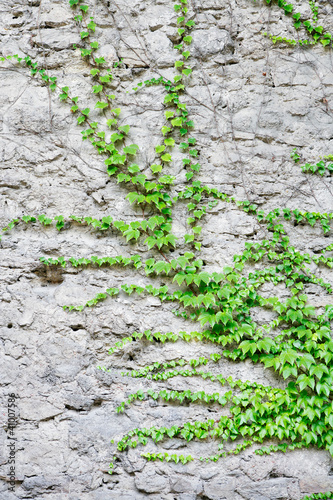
(252, 102)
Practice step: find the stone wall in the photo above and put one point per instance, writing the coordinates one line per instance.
(252, 102)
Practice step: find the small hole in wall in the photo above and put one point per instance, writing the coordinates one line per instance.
(75, 328)
(274, 474)
(130, 358)
(10, 325)
(98, 402)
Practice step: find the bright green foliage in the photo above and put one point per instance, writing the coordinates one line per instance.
(296, 343)
(317, 33)
(326, 496)
(321, 168)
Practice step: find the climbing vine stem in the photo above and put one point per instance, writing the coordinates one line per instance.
(296, 343)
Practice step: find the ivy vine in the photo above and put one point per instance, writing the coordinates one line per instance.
(315, 31)
(297, 343)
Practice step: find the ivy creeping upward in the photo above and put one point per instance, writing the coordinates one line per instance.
(295, 344)
(309, 24)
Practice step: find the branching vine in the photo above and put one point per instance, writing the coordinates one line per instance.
(296, 344)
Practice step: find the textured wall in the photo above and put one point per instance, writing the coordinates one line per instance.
(252, 102)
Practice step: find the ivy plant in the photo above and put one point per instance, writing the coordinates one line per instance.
(296, 344)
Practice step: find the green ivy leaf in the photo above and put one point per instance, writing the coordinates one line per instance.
(187, 71)
(166, 157)
(124, 128)
(169, 142)
(131, 150)
(101, 105)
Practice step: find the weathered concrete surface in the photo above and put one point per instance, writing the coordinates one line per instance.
(252, 103)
